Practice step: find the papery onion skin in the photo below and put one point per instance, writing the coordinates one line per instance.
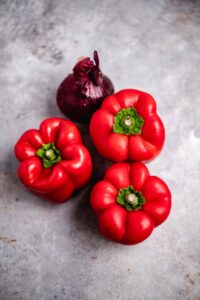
(82, 92)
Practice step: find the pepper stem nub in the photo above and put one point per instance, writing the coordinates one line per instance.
(132, 199)
(127, 121)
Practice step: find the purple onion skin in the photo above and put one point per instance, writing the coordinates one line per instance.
(82, 92)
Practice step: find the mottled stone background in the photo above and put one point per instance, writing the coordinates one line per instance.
(55, 252)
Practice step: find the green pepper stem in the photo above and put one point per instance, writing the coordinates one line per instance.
(130, 199)
(128, 121)
(49, 154)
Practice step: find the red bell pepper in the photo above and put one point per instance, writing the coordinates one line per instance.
(54, 162)
(127, 127)
(129, 203)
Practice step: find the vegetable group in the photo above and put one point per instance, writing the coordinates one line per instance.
(128, 127)
(82, 92)
(130, 203)
(54, 162)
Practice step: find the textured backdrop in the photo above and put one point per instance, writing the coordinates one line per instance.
(55, 252)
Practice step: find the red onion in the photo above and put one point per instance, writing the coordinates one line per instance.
(82, 92)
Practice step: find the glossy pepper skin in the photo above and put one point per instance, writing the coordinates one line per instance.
(130, 203)
(54, 162)
(128, 127)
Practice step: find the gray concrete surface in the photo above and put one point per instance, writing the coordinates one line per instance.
(55, 252)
